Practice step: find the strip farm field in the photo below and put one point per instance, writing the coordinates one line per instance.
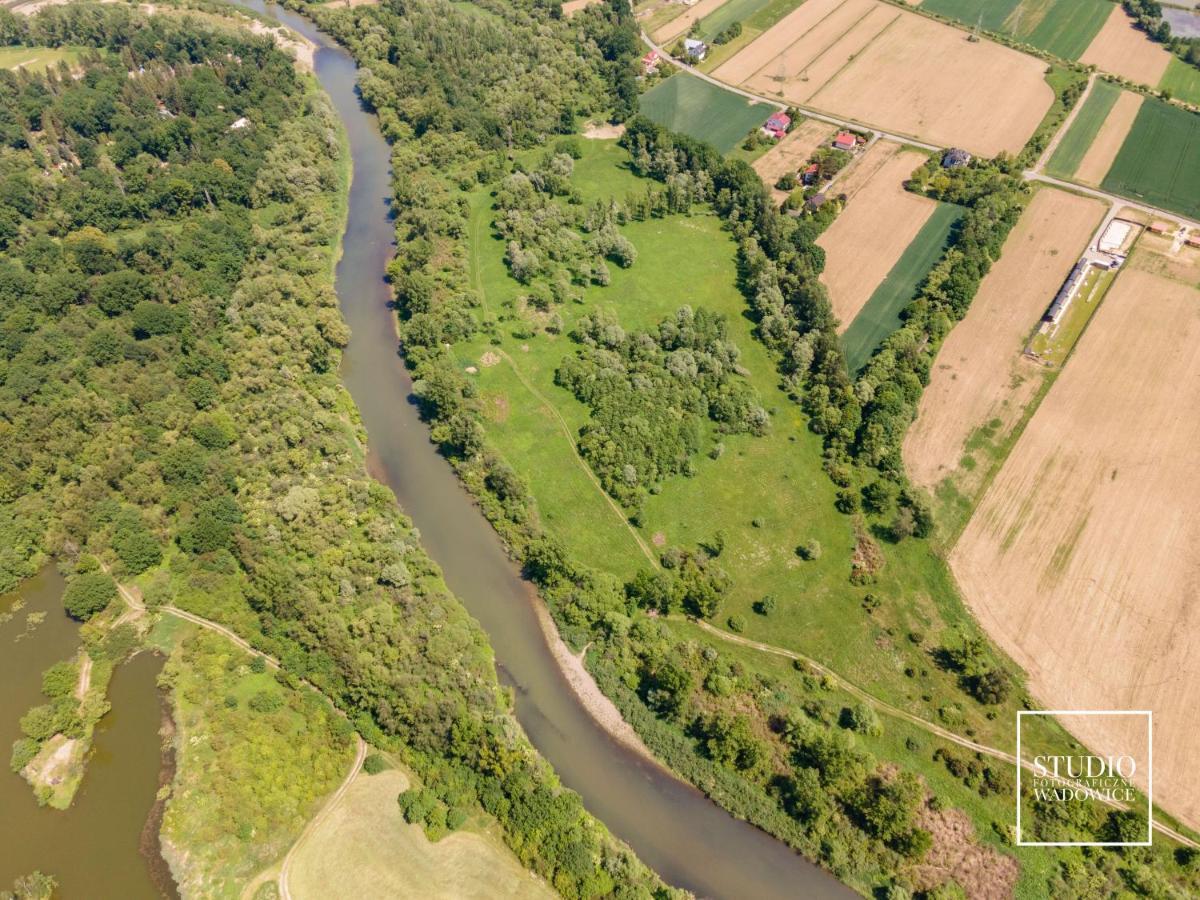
(878, 224)
(890, 68)
(1123, 49)
(1080, 560)
(1158, 161)
(709, 113)
(981, 382)
(1062, 27)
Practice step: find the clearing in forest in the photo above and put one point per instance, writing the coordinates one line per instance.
(702, 110)
(896, 70)
(869, 236)
(1080, 560)
(1123, 49)
(791, 153)
(981, 376)
(364, 848)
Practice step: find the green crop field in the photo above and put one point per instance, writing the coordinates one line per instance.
(706, 112)
(880, 316)
(1088, 121)
(1062, 27)
(1182, 80)
(1157, 162)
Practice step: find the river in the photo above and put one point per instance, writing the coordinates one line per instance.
(685, 837)
(94, 848)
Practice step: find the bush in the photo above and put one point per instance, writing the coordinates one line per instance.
(737, 624)
(374, 764)
(258, 665)
(266, 702)
(809, 550)
(765, 606)
(88, 595)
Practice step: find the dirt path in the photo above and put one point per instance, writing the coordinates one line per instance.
(911, 718)
(85, 676)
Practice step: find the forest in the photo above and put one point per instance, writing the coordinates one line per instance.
(170, 405)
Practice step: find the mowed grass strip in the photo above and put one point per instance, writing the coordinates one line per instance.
(1182, 80)
(704, 111)
(881, 314)
(1158, 161)
(1088, 122)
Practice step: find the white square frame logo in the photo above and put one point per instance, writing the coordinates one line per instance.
(1021, 713)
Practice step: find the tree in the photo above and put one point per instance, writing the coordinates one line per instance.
(88, 594)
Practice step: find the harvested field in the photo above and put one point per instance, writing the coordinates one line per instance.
(900, 71)
(1099, 157)
(1123, 50)
(980, 373)
(679, 25)
(1081, 559)
(883, 218)
(791, 153)
(859, 173)
(1086, 125)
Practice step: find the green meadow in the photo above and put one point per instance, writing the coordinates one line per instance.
(880, 315)
(702, 110)
(765, 496)
(1158, 161)
(1182, 80)
(37, 59)
(1087, 124)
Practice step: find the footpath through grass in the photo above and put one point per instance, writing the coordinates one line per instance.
(880, 315)
(1075, 143)
(1159, 163)
(690, 105)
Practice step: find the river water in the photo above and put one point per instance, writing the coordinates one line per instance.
(94, 848)
(689, 840)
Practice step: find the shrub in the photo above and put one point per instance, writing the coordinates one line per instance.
(765, 606)
(266, 702)
(88, 595)
(737, 624)
(809, 550)
(374, 764)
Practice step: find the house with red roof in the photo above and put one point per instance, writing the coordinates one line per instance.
(777, 126)
(845, 141)
(650, 61)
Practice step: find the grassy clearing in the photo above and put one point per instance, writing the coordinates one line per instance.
(1062, 27)
(364, 848)
(1087, 124)
(704, 111)
(766, 495)
(1157, 162)
(880, 316)
(37, 59)
(1182, 80)
(1055, 346)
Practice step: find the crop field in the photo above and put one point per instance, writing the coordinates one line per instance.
(1124, 50)
(1182, 80)
(1157, 162)
(1086, 125)
(364, 848)
(881, 215)
(704, 111)
(880, 315)
(981, 376)
(1100, 155)
(1062, 27)
(1080, 560)
(791, 153)
(678, 26)
(897, 70)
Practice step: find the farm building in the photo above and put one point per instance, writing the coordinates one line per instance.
(1159, 228)
(845, 141)
(1067, 292)
(1115, 236)
(1193, 240)
(777, 126)
(695, 50)
(955, 158)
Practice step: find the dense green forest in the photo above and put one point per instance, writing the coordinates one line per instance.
(169, 401)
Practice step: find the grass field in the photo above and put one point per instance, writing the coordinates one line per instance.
(37, 59)
(1086, 125)
(364, 848)
(1062, 27)
(1182, 80)
(704, 111)
(1157, 162)
(881, 314)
